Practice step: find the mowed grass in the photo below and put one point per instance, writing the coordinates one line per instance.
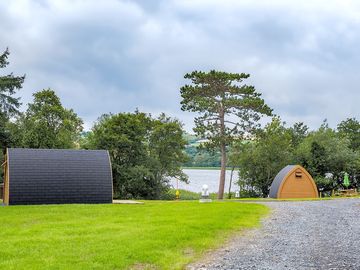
(155, 235)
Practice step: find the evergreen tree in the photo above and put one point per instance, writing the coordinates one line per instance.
(228, 110)
(9, 105)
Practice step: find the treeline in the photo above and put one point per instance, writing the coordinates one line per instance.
(197, 156)
(326, 153)
(228, 117)
(145, 151)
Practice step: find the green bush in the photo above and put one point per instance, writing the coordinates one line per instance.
(189, 195)
(184, 195)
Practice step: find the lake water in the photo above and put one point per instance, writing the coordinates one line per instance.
(198, 178)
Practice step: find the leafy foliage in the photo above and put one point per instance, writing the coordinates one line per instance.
(261, 159)
(201, 157)
(184, 195)
(147, 151)
(327, 154)
(9, 84)
(144, 151)
(298, 132)
(198, 155)
(350, 128)
(47, 124)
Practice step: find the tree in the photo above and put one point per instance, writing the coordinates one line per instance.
(259, 160)
(228, 110)
(9, 104)
(327, 155)
(350, 128)
(145, 152)
(5, 138)
(86, 140)
(47, 124)
(199, 157)
(298, 132)
(166, 146)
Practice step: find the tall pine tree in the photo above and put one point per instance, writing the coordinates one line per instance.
(228, 109)
(9, 105)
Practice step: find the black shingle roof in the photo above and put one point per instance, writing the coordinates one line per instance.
(54, 176)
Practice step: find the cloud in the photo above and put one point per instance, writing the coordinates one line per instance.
(115, 56)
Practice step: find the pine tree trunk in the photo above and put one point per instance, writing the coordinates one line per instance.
(223, 154)
(222, 172)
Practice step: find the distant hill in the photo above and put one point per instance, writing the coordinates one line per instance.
(199, 158)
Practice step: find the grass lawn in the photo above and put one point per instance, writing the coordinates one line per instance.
(155, 235)
(294, 199)
(284, 200)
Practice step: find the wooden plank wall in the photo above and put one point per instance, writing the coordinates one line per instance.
(6, 181)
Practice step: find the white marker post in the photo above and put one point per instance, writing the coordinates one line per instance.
(205, 194)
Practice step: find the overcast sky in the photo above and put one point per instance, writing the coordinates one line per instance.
(116, 56)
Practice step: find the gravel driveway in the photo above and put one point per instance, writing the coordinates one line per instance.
(297, 235)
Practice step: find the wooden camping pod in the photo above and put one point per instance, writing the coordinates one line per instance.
(293, 181)
(57, 176)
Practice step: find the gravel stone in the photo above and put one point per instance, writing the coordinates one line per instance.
(296, 235)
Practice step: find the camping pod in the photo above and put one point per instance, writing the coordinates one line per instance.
(293, 181)
(56, 176)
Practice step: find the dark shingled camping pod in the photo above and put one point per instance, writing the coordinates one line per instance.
(54, 176)
(293, 181)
